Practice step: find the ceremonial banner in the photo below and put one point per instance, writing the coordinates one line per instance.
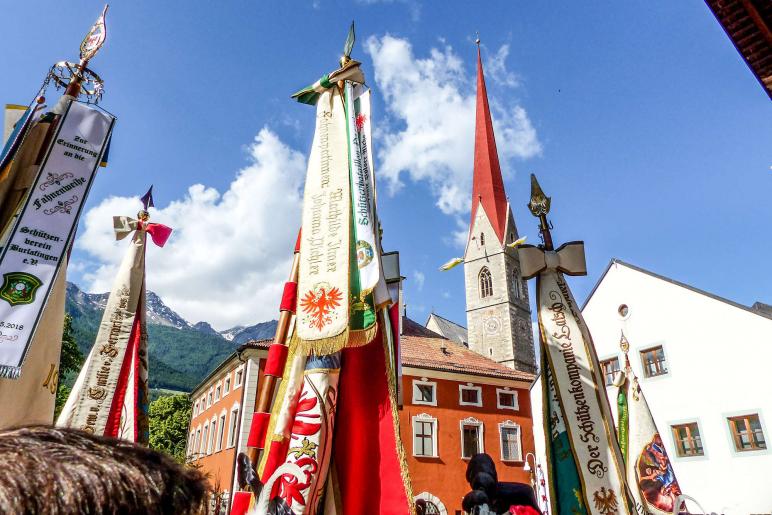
(41, 234)
(13, 113)
(323, 286)
(109, 397)
(650, 474)
(578, 384)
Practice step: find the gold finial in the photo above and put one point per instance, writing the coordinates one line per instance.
(540, 203)
(477, 40)
(624, 344)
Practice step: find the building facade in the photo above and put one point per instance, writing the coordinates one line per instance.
(703, 364)
(456, 403)
(497, 310)
(222, 407)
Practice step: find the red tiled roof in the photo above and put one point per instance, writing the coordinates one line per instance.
(422, 348)
(255, 344)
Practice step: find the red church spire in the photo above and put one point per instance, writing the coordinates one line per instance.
(488, 186)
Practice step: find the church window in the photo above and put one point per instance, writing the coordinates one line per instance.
(654, 363)
(482, 238)
(610, 368)
(687, 440)
(747, 433)
(517, 284)
(471, 437)
(486, 283)
(510, 441)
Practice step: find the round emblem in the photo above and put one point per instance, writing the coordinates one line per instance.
(492, 325)
(365, 253)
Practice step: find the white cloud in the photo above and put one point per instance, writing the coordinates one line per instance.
(431, 104)
(419, 279)
(496, 68)
(230, 253)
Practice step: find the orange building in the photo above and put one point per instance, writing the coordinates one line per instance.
(456, 403)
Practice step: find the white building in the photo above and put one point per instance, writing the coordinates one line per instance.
(704, 364)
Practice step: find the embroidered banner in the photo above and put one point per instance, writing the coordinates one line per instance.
(40, 237)
(323, 285)
(585, 410)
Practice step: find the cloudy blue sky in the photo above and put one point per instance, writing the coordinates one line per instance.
(640, 119)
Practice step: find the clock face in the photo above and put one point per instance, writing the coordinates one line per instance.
(492, 325)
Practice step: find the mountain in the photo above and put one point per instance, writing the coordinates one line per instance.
(181, 354)
(240, 334)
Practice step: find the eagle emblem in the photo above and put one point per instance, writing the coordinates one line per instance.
(319, 303)
(605, 501)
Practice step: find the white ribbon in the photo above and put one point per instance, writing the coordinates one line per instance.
(568, 258)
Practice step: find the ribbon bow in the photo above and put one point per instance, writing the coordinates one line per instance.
(125, 225)
(568, 258)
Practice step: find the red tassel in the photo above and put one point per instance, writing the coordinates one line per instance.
(277, 358)
(258, 430)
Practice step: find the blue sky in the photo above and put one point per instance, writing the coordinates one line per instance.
(640, 119)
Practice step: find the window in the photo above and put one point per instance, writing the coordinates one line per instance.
(486, 283)
(747, 433)
(210, 398)
(191, 443)
(197, 445)
(195, 410)
(428, 504)
(221, 433)
(687, 440)
(424, 435)
(424, 392)
(232, 430)
(212, 436)
(517, 288)
(227, 385)
(239, 376)
(471, 437)
(217, 392)
(610, 368)
(654, 363)
(470, 395)
(204, 439)
(510, 441)
(506, 399)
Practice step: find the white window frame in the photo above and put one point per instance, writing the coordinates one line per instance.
(237, 384)
(233, 430)
(507, 389)
(426, 496)
(508, 424)
(210, 397)
(212, 434)
(191, 443)
(197, 443)
(218, 391)
(222, 419)
(226, 385)
(471, 421)
(196, 409)
(204, 439)
(424, 382)
(425, 417)
(469, 386)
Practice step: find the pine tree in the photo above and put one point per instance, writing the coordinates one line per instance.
(70, 360)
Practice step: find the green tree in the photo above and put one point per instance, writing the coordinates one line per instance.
(169, 418)
(70, 360)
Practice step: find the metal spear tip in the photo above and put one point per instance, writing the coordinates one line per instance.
(540, 203)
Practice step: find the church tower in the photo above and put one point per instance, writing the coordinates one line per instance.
(497, 310)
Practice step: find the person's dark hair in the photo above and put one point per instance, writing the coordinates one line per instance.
(487, 490)
(55, 471)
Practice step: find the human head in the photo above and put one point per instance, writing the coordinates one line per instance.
(53, 471)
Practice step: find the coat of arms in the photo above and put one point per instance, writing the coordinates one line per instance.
(19, 288)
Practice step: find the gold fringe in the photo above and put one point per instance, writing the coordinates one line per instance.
(360, 337)
(324, 346)
(392, 383)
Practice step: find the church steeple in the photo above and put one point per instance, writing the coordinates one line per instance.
(487, 185)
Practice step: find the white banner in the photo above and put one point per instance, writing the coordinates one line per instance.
(38, 241)
(586, 412)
